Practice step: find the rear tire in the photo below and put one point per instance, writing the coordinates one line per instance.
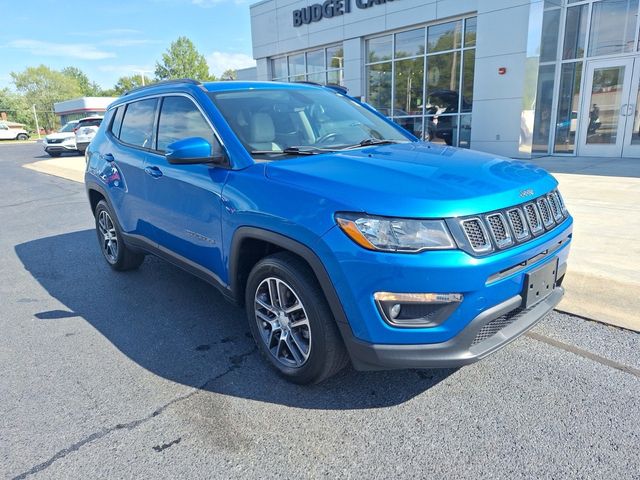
(291, 321)
(117, 254)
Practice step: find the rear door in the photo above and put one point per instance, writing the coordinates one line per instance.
(183, 202)
(132, 131)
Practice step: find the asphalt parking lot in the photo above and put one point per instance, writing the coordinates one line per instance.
(151, 374)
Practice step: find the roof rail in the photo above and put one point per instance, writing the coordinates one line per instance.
(164, 82)
(332, 86)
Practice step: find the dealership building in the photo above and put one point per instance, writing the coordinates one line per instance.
(512, 77)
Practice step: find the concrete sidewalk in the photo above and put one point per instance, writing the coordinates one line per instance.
(603, 195)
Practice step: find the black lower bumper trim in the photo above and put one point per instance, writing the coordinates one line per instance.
(461, 349)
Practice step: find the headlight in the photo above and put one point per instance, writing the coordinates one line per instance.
(395, 234)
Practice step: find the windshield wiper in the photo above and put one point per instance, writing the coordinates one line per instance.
(367, 142)
(289, 151)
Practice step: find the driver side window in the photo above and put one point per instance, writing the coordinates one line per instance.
(179, 119)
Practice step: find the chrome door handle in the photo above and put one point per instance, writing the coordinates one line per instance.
(155, 172)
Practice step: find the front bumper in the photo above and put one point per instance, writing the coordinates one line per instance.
(489, 331)
(59, 147)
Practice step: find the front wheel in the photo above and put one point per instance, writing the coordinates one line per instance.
(22, 136)
(291, 321)
(118, 255)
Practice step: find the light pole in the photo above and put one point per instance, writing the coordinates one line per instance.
(36, 117)
(142, 72)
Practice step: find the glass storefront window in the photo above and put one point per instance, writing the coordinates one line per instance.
(470, 27)
(379, 87)
(429, 93)
(613, 25)
(443, 80)
(335, 58)
(544, 102)
(296, 67)
(568, 104)
(469, 62)
(379, 49)
(410, 44)
(413, 125)
(334, 77)
(409, 78)
(446, 36)
(279, 68)
(442, 129)
(549, 40)
(575, 32)
(315, 61)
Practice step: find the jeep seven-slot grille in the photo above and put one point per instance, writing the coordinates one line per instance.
(502, 229)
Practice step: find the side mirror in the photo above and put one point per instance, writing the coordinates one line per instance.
(194, 150)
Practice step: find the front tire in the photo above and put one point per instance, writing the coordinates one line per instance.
(22, 136)
(117, 254)
(291, 321)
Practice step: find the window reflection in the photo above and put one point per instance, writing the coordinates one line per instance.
(544, 100)
(410, 44)
(613, 24)
(379, 49)
(568, 103)
(445, 36)
(575, 31)
(409, 78)
(379, 87)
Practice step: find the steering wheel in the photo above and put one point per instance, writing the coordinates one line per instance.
(326, 137)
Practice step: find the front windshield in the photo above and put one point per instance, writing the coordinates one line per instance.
(270, 123)
(68, 127)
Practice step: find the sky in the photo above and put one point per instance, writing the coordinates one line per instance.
(110, 38)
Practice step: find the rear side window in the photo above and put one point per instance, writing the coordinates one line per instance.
(117, 121)
(180, 118)
(137, 124)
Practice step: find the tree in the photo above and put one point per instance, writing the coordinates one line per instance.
(16, 108)
(88, 88)
(229, 74)
(182, 60)
(126, 83)
(42, 87)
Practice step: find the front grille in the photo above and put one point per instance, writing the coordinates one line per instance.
(545, 211)
(476, 234)
(518, 223)
(494, 326)
(554, 203)
(500, 230)
(55, 140)
(533, 218)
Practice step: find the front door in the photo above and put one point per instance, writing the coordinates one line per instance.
(610, 118)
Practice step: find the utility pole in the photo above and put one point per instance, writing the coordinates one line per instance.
(36, 117)
(142, 72)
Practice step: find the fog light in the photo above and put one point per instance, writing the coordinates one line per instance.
(415, 310)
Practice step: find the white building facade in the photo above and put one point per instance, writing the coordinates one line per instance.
(519, 78)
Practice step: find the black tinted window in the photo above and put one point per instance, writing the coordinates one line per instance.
(137, 125)
(117, 121)
(180, 118)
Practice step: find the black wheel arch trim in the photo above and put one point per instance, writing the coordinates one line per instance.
(294, 246)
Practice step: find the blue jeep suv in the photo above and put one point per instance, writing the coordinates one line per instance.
(343, 236)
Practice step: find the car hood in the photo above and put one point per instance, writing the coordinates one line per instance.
(415, 180)
(60, 135)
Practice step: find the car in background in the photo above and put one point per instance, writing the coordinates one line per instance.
(85, 131)
(64, 140)
(7, 133)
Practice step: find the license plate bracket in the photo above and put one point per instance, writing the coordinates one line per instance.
(539, 283)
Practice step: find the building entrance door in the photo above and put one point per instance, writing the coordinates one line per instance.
(610, 118)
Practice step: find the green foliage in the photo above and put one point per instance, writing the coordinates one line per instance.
(229, 74)
(182, 60)
(126, 83)
(87, 87)
(16, 108)
(42, 87)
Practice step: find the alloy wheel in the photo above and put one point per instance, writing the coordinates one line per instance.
(109, 238)
(283, 322)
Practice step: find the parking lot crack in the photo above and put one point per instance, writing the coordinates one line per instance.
(235, 361)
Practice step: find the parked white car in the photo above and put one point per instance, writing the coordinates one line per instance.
(85, 131)
(64, 140)
(7, 133)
